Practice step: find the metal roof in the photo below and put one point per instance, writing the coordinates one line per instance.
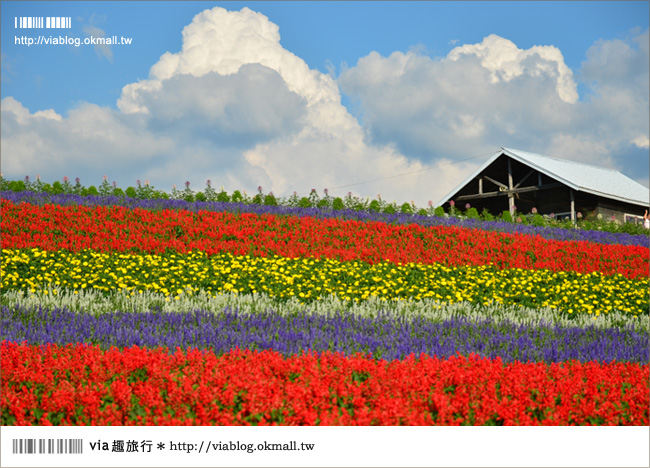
(581, 177)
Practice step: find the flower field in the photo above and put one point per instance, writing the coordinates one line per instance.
(138, 312)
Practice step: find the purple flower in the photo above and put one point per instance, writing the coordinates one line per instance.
(552, 215)
(138, 181)
(467, 206)
(209, 182)
(259, 188)
(114, 184)
(187, 184)
(26, 179)
(77, 180)
(325, 190)
(297, 333)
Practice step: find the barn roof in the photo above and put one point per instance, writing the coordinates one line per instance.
(581, 177)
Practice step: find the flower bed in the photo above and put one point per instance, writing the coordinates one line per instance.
(455, 325)
(85, 385)
(118, 229)
(384, 336)
(547, 232)
(308, 279)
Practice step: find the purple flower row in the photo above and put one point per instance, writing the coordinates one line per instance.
(384, 336)
(554, 233)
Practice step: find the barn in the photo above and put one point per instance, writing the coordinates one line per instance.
(519, 181)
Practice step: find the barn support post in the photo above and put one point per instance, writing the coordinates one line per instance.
(573, 206)
(511, 196)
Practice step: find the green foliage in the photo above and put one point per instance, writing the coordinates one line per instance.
(439, 211)
(105, 188)
(131, 193)
(17, 186)
(118, 192)
(223, 197)
(323, 203)
(337, 204)
(92, 190)
(538, 220)
(201, 197)
(237, 197)
(374, 205)
(506, 216)
(270, 200)
(472, 213)
(406, 208)
(486, 215)
(390, 209)
(304, 202)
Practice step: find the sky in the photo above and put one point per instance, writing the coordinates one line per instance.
(402, 100)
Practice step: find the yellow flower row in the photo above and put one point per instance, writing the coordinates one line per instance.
(309, 279)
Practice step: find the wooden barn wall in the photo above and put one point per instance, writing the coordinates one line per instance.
(548, 201)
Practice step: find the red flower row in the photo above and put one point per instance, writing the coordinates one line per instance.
(83, 385)
(120, 229)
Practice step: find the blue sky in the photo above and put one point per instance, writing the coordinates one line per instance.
(423, 87)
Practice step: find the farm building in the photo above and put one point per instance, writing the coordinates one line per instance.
(513, 179)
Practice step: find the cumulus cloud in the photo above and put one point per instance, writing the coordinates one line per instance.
(232, 105)
(249, 106)
(506, 61)
(235, 107)
(89, 139)
(494, 94)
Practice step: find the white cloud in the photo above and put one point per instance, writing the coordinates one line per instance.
(491, 94)
(235, 107)
(641, 141)
(89, 140)
(506, 61)
(102, 49)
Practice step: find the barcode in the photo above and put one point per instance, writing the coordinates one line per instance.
(49, 22)
(72, 446)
